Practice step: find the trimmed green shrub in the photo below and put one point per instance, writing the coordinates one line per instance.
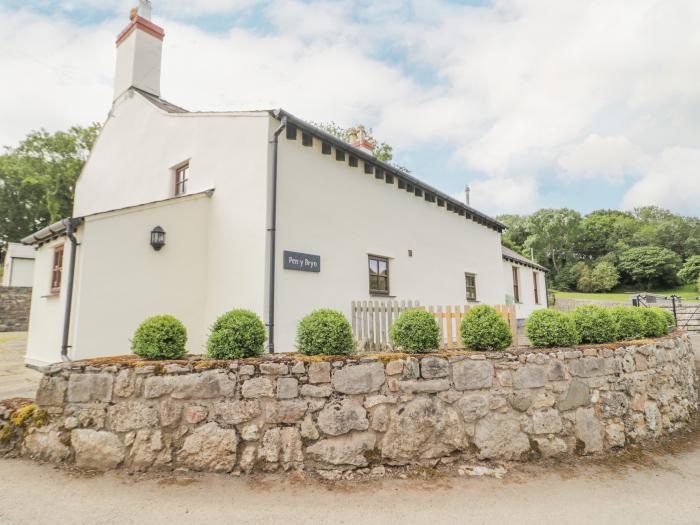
(325, 332)
(160, 337)
(628, 322)
(594, 324)
(483, 329)
(653, 322)
(551, 328)
(235, 335)
(415, 331)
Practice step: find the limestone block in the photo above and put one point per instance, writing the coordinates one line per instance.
(132, 415)
(529, 376)
(287, 388)
(209, 448)
(546, 422)
(278, 369)
(320, 372)
(287, 411)
(257, 387)
(359, 379)
(589, 430)
(350, 449)
(473, 406)
(434, 367)
(51, 391)
(341, 417)
(236, 412)
(498, 436)
(424, 386)
(472, 375)
(316, 390)
(97, 449)
(577, 395)
(83, 388)
(45, 444)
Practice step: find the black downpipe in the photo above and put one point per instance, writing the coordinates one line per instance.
(70, 230)
(273, 231)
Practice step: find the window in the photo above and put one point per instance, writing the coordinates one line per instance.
(326, 148)
(369, 169)
(378, 275)
(353, 161)
(306, 139)
(516, 285)
(181, 178)
(291, 132)
(537, 291)
(339, 155)
(470, 279)
(57, 269)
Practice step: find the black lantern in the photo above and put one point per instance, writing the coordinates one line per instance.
(157, 238)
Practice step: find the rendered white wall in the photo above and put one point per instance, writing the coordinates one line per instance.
(18, 267)
(122, 280)
(342, 214)
(527, 303)
(46, 315)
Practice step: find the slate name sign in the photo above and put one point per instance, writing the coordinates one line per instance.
(302, 261)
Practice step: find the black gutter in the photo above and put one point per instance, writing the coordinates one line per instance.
(357, 152)
(273, 231)
(70, 229)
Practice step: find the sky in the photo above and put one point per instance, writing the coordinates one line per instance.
(583, 104)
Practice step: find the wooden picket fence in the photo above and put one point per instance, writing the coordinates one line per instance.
(371, 321)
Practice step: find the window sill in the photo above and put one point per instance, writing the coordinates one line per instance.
(50, 295)
(473, 301)
(383, 295)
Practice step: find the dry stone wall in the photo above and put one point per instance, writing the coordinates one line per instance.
(367, 413)
(15, 302)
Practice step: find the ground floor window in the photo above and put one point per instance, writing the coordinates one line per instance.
(470, 279)
(516, 285)
(378, 275)
(536, 289)
(57, 269)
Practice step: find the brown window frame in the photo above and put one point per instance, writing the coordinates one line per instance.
(181, 178)
(472, 276)
(536, 287)
(57, 269)
(379, 259)
(516, 284)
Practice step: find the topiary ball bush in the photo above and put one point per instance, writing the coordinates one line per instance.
(160, 337)
(594, 324)
(628, 322)
(325, 332)
(415, 331)
(483, 329)
(235, 335)
(547, 328)
(653, 322)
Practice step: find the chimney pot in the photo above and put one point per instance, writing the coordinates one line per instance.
(358, 136)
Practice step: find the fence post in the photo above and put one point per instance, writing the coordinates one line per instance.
(675, 314)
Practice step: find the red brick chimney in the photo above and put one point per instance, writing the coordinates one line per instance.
(358, 137)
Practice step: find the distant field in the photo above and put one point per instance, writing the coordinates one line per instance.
(687, 292)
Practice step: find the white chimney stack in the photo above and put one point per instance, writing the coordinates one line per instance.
(139, 49)
(466, 194)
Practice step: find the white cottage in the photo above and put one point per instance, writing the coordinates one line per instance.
(195, 213)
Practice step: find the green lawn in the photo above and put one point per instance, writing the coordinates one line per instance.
(687, 292)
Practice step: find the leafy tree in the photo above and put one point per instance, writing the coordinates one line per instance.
(553, 234)
(605, 231)
(517, 233)
(37, 179)
(604, 276)
(691, 270)
(567, 278)
(650, 265)
(585, 283)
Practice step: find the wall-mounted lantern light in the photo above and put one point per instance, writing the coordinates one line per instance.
(157, 238)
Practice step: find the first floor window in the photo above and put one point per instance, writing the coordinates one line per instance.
(537, 290)
(181, 177)
(378, 275)
(470, 279)
(516, 285)
(57, 269)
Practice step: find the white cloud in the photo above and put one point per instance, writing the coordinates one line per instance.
(593, 88)
(673, 181)
(612, 158)
(503, 195)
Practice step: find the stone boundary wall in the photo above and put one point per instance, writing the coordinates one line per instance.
(15, 302)
(360, 413)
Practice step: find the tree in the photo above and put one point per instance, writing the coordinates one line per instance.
(604, 277)
(568, 277)
(691, 270)
(650, 266)
(585, 283)
(553, 234)
(37, 179)
(605, 231)
(516, 233)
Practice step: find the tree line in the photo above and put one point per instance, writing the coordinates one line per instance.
(647, 248)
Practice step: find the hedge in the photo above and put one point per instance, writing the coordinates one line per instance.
(628, 322)
(415, 331)
(594, 324)
(547, 328)
(325, 332)
(160, 337)
(653, 322)
(235, 335)
(484, 329)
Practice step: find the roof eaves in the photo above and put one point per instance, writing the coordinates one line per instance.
(325, 136)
